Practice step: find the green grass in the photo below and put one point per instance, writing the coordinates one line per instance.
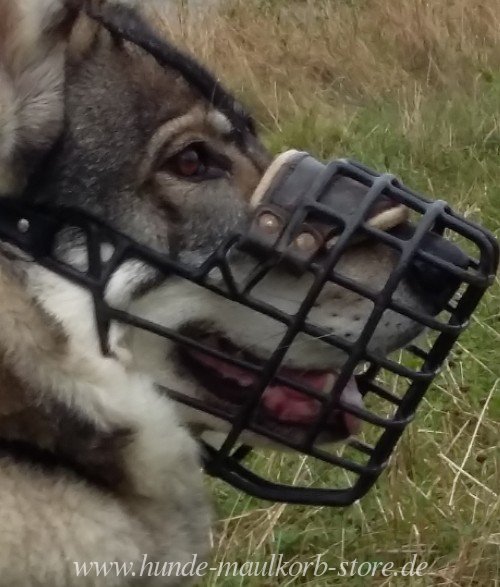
(439, 498)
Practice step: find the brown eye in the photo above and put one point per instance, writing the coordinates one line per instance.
(188, 163)
(198, 162)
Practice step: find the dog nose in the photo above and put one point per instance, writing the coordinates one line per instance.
(435, 283)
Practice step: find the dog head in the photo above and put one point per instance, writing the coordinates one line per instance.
(165, 155)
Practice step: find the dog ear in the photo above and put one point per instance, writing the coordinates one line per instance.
(33, 38)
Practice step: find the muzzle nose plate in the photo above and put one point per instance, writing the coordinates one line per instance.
(284, 221)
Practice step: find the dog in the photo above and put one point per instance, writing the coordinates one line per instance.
(97, 462)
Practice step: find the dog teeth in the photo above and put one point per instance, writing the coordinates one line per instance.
(390, 218)
(329, 381)
(243, 381)
(331, 242)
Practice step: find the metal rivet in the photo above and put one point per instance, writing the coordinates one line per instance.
(306, 242)
(269, 223)
(23, 225)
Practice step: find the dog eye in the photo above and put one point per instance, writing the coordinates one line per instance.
(197, 162)
(188, 163)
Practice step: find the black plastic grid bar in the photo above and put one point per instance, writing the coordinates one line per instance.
(35, 230)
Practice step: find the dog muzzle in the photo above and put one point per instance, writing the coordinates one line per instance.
(305, 217)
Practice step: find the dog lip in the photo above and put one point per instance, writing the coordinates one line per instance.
(280, 402)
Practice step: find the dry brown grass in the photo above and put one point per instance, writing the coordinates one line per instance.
(286, 53)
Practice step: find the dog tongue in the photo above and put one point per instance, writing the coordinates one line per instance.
(289, 405)
(284, 403)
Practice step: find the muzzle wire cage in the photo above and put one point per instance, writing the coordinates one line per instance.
(37, 230)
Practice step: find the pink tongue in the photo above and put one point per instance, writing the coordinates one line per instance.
(290, 406)
(287, 405)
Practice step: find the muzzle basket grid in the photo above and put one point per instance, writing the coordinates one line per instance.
(36, 230)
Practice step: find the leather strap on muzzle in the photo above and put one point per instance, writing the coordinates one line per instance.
(293, 180)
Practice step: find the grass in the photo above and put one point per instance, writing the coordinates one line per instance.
(413, 87)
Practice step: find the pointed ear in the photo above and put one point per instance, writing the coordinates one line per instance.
(33, 39)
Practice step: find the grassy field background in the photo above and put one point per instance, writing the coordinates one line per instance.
(413, 87)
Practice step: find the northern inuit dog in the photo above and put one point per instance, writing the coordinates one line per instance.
(101, 467)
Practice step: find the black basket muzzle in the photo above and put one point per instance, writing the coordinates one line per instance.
(306, 217)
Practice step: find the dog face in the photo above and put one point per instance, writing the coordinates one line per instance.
(141, 148)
